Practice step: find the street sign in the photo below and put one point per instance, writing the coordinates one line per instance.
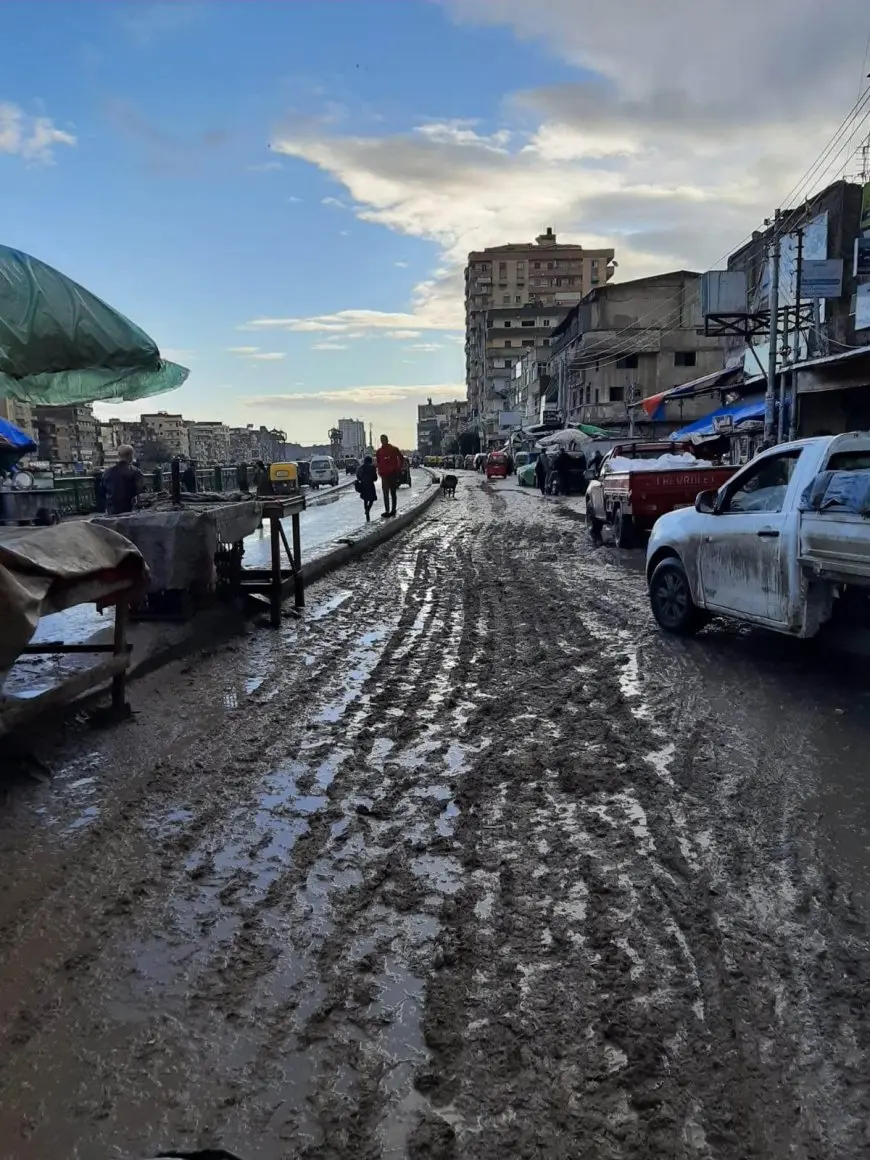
(822, 278)
(861, 266)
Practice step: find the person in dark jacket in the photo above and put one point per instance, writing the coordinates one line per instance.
(122, 483)
(188, 479)
(366, 478)
(541, 472)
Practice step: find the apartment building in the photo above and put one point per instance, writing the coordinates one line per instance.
(627, 342)
(437, 423)
(209, 442)
(353, 436)
(67, 435)
(21, 414)
(519, 286)
(168, 430)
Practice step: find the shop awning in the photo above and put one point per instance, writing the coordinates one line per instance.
(699, 386)
(743, 412)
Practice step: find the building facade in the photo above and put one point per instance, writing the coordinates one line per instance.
(628, 342)
(513, 287)
(439, 424)
(169, 431)
(209, 442)
(353, 437)
(67, 435)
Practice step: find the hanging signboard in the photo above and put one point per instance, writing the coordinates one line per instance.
(822, 278)
(861, 266)
(862, 307)
(865, 209)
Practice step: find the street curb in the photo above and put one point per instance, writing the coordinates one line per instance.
(384, 531)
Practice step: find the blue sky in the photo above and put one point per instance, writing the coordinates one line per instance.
(319, 168)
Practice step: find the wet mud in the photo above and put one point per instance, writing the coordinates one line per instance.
(472, 862)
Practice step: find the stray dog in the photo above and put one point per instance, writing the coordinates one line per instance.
(448, 485)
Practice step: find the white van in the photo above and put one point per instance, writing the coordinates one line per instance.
(323, 471)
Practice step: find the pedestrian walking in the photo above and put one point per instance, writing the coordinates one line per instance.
(366, 477)
(122, 483)
(541, 472)
(390, 462)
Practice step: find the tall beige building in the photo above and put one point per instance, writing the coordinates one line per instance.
(170, 430)
(21, 414)
(514, 295)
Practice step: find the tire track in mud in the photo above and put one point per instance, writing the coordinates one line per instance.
(482, 871)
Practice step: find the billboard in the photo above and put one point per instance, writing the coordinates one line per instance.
(822, 278)
(507, 419)
(861, 266)
(723, 292)
(864, 224)
(862, 307)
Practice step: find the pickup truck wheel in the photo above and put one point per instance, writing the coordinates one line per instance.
(671, 599)
(593, 525)
(623, 528)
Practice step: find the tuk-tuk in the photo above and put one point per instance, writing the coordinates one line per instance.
(496, 465)
(284, 478)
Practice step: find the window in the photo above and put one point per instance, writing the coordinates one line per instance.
(507, 322)
(762, 487)
(520, 266)
(684, 358)
(537, 265)
(545, 342)
(596, 394)
(617, 394)
(528, 342)
(508, 362)
(629, 363)
(527, 322)
(518, 299)
(546, 322)
(505, 299)
(507, 342)
(502, 269)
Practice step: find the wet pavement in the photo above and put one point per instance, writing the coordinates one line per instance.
(473, 862)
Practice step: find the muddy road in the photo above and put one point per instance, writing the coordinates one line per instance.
(471, 863)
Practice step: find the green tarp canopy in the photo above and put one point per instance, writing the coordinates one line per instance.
(60, 344)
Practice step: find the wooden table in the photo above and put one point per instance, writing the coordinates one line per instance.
(274, 584)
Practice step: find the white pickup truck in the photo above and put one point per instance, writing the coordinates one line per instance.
(784, 543)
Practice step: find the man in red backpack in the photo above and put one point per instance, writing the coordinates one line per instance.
(390, 464)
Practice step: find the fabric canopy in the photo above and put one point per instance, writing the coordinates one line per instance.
(706, 383)
(12, 438)
(742, 412)
(60, 344)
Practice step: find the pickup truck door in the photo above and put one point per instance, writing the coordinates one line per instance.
(742, 563)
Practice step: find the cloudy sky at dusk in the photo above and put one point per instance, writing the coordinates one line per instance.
(283, 194)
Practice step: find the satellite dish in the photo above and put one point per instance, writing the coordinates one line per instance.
(22, 481)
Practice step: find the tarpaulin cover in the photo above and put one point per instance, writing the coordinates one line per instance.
(13, 438)
(738, 412)
(45, 570)
(845, 490)
(60, 344)
(179, 546)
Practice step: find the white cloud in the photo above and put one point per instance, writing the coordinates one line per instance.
(401, 265)
(329, 346)
(335, 202)
(174, 354)
(268, 167)
(682, 132)
(402, 334)
(146, 23)
(294, 200)
(254, 353)
(425, 347)
(32, 138)
(361, 396)
(344, 321)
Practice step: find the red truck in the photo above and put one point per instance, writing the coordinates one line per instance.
(631, 498)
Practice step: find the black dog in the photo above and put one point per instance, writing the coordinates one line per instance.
(448, 485)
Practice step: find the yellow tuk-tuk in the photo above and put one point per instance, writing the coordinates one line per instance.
(284, 478)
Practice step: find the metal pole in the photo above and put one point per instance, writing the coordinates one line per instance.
(770, 394)
(793, 398)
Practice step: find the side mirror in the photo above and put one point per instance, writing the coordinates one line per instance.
(705, 502)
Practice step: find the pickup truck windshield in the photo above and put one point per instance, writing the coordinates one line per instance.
(762, 488)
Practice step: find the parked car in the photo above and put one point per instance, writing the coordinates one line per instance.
(323, 471)
(638, 482)
(785, 543)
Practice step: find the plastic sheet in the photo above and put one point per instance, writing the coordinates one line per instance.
(844, 490)
(666, 462)
(60, 344)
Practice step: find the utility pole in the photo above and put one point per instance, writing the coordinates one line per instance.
(770, 394)
(799, 269)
